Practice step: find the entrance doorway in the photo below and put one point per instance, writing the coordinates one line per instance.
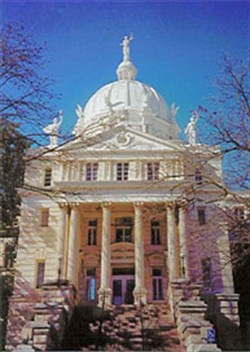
(123, 284)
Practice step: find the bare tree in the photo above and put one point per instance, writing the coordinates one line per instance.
(26, 94)
(26, 103)
(226, 122)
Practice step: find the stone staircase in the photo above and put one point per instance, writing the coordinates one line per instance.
(149, 328)
(39, 321)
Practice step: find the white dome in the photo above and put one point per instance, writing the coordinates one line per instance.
(125, 95)
(130, 102)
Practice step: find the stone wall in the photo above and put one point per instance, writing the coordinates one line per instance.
(38, 318)
(189, 312)
(21, 310)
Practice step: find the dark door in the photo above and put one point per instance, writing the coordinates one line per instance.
(117, 292)
(129, 297)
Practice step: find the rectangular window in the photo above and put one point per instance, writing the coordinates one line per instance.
(47, 177)
(201, 216)
(155, 233)
(90, 284)
(40, 271)
(45, 217)
(206, 271)
(153, 171)
(92, 232)
(91, 171)
(198, 176)
(157, 285)
(122, 171)
(124, 230)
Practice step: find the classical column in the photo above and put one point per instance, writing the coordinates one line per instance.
(172, 244)
(139, 291)
(225, 259)
(105, 290)
(183, 244)
(61, 239)
(73, 244)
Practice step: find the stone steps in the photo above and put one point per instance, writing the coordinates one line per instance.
(158, 333)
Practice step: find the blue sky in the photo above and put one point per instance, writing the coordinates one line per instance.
(176, 47)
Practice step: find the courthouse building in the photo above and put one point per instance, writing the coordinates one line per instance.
(125, 211)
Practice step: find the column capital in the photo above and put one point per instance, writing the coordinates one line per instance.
(171, 205)
(106, 204)
(74, 205)
(183, 204)
(63, 205)
(224, 226)
(138, 204)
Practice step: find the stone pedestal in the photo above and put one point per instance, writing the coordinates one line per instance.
(193, 327)
(207, 347)
(140, 296)
(24, 348)
(228, 306)
(183, 289)
(227, 321)
(104, 297)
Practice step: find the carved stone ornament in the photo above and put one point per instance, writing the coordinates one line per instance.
(123, 139)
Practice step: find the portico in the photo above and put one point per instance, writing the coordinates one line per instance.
(121, 247)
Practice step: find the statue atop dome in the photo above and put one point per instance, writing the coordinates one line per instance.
(126, 46)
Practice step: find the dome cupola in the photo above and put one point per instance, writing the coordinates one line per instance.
(128, 101)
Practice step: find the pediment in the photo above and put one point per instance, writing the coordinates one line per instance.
(156, 259)
(127, 139)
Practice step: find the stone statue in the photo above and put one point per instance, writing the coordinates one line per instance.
(173, 110)
(52, 130)
(79, 111)
(126, 47)
(190, 130)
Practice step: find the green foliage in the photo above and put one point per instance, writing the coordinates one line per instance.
(78, 333)
(13, 147)
(6, 288)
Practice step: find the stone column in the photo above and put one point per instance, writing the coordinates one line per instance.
(73, 245)
(139, 291)
(61, 240)
(105, 293)
(225, 260)
(183, 244)
(172, 244)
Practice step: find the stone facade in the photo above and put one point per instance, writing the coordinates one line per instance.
(128, 217)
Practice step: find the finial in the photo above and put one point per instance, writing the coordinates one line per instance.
(126, 70)
(126, 46)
